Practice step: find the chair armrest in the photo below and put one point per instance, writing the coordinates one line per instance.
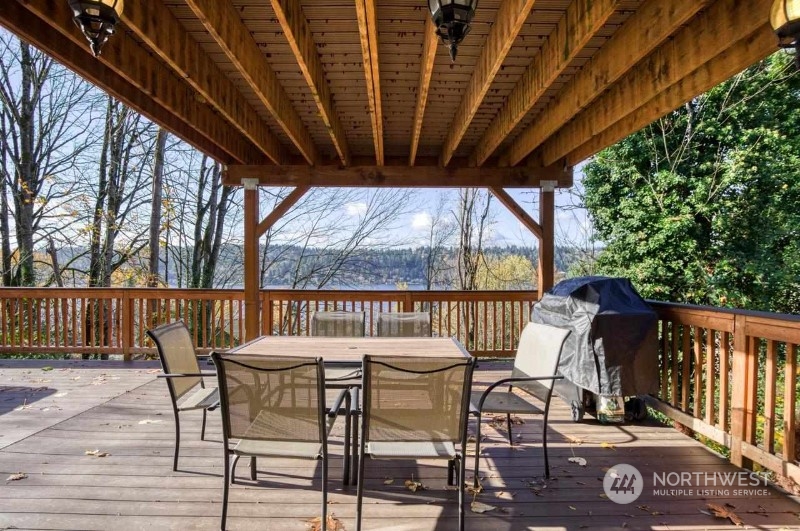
(186, 375)
(512, 381)
(333, 411)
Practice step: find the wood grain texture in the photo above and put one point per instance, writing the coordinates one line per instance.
(221, 22)
(653, 22)
(368, 36)
(425, 73)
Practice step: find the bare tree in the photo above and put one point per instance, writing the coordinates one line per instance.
(473, 221)
(155, 210)
(43, 128)
(440, 232)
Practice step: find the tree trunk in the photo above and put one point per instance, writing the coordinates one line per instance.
(155, 212)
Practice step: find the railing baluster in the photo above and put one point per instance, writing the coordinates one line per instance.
(790, 403)
(771, 377)
(711, 376)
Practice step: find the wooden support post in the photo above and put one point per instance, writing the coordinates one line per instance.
(252, 311)
(547, 209)
(127, 325)
(742, 380)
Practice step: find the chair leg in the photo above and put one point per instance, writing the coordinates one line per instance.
(203, 427)
(460, 477)
(348, 399)
(508, 427)
(451, 465)
(544, 447)
(177, 441)
(324, 492)
(360, 483)
(475, 481)
(253, 468)
(227, 475)
(354, 422)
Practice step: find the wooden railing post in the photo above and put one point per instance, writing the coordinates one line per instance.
(127, 325)
(743, 374)
(268, 320)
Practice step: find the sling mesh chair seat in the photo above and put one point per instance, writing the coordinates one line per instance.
(338, 324)
(404, 324)
(534, 372)
(401, 421)
(272, 407)
(184, 379)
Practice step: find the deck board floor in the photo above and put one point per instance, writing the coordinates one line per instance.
(50, 418)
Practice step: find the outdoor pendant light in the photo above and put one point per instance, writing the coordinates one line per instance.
(785, 20)
(96, 19)
(452, 19)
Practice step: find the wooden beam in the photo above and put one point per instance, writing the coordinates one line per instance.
(129, 60)
(155, 24)
(252, 278)
(723, 23)
(399, 176)
(510, 17)
(368, 34)
(30, 28)
(727, 64)
(221, 21)
(425, 72)
(547, 218)
(281, 209)
(301, 41)
(647, 28)
(518, 211)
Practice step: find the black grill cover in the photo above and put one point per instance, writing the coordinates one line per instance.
(613, 347)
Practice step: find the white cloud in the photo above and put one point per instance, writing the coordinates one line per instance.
(356, 209)
(421, 220)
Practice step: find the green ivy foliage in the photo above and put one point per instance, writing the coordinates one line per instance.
(703, 206)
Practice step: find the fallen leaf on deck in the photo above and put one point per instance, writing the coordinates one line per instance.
(149, 421)
(607, 445)
(577, 460)
(16, 477)
(571, 507)
(47, 368)
(153, 371)
(573, 440)
(722, 512)
(388, 481)
(97, 453)
(503, 495)
(414, 486)
(334, 524)
(472, 489)
(501, 420)
(478, 507)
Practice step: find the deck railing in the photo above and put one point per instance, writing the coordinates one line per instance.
(731, 376)
(114, 320)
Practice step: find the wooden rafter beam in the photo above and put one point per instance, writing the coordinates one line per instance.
(295, 29)
(579, 24)
(280, 210)
(133, 63)
(646, 29)
(398, 176)
(723, 23)
(223, 24)
(368, 34)
(31, 28)
(155, 24)
(424, 85)
(731, 61)
(517, 210)
(509, 20)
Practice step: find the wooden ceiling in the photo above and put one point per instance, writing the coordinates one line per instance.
(287, 84)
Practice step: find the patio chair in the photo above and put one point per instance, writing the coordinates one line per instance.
(274, 407)
(342, 324)
(415, 408)
(534, 372)
(338, 324)
(184, 378)
(404, 324)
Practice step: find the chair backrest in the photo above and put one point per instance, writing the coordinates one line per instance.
(338, 324)
(538, 354)
(177, 355)
(416, 398)
(404, 324)
(271, 398)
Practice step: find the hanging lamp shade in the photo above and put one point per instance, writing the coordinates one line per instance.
(96, 19)
(452, 19)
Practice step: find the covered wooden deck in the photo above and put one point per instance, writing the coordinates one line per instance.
(53, 412)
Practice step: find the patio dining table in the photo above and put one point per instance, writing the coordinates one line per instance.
(340, 353)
